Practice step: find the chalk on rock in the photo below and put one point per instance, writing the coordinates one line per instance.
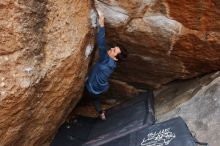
(88, 51)
(93, 18)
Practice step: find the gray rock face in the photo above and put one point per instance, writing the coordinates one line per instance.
(201, 112)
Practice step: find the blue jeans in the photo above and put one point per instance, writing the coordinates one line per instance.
(95, 99)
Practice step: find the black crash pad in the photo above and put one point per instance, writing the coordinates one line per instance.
(121, 120)
(173, 132)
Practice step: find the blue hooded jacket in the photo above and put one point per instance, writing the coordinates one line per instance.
(97, 81)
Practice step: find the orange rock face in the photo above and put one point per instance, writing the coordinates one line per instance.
(42, 66)
(196, 14)
(167, 40)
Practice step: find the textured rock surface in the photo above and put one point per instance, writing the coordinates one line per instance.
(167, 39)
(201, 112)
(42, 66)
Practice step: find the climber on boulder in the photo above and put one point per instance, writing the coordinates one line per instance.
(97, 80)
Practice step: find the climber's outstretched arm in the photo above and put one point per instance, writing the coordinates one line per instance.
(101, 38)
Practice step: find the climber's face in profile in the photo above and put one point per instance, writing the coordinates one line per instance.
(113, 52)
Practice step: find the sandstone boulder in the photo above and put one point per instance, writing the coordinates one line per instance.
(43, 62)
(167, 39)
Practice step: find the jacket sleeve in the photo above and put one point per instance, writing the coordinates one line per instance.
(101, 43)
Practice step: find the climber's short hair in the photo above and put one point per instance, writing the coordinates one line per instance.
(123, 55)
